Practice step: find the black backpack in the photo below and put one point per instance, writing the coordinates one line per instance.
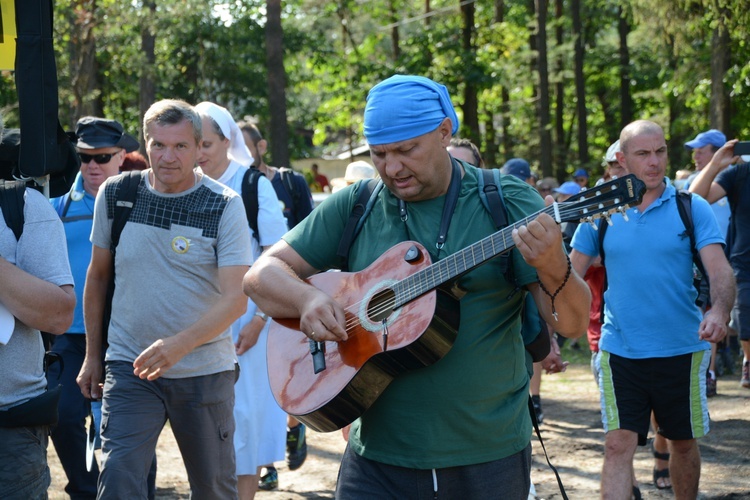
(700, 278)
(249, 193)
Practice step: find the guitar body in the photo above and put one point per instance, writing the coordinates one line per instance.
(358, 370)
(398, 316)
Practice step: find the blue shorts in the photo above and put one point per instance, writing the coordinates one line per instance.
(365, 479)
(673, 388)
(134, 411)
(24, 474)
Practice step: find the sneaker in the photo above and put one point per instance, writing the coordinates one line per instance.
(710, 385)
(269, 479)
(296, 446)
(745, 382)
(537, 402)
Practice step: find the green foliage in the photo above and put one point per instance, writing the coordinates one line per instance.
(335, 51)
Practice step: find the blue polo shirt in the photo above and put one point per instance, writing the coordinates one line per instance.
(77, 221)
(650, 300)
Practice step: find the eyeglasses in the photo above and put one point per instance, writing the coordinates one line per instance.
(99, 159)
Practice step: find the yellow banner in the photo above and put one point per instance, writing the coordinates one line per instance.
(8, 35)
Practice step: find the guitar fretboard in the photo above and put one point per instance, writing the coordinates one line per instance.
(460, 262)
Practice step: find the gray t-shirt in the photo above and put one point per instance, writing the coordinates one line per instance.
(167, 268)
(41, 252)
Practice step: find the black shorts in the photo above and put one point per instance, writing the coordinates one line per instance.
(741, 311)
(673, 388)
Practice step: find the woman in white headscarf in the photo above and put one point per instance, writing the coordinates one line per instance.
(260, 434)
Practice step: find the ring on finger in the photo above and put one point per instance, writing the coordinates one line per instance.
(312, 335)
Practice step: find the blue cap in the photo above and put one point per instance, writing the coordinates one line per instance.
(568, 187)
(714, 137)
(581, 173)
(403, 107)
(517, 167)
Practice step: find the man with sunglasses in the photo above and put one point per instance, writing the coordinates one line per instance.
(101, 145)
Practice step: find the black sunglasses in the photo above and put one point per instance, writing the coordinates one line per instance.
(99, 159)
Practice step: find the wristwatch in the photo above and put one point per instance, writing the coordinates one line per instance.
(262, 315)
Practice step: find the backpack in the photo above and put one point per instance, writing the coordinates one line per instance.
(249, 193)
(534, 328)
(287, 179)
(700, 278)
(12, 203)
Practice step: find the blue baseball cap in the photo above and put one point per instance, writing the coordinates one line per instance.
(517, 167)
(569, 188)
(714, 137)
(580, 173)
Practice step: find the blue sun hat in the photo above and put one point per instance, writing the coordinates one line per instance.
(406, 106)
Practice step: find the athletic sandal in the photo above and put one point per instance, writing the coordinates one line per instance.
(660, 473)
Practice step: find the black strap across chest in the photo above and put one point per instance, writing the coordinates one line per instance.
(451, 200)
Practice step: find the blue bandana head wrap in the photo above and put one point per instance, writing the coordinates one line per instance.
(403, 107)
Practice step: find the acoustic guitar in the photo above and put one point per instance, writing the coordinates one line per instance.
(401, 314)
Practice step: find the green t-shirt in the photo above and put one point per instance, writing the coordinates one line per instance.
(471, 406)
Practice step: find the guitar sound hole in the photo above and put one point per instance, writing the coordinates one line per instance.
(381, 305)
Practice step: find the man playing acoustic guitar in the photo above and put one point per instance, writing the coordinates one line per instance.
(460, 426)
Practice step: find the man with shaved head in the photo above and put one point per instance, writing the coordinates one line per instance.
(655, 343)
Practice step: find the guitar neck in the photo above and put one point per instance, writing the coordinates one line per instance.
(460, 262)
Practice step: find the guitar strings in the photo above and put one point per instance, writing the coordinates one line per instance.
(564, 210)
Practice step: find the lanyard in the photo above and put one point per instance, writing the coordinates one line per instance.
(451, 199)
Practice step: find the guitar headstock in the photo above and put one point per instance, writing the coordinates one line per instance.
(603, 200)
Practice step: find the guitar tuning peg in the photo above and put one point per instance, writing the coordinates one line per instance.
(593, 223)
(623, 212)
(607, 218)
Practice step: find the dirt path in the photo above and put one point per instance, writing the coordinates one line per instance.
(572, 435)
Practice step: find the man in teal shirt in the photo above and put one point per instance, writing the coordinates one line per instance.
(460, 425)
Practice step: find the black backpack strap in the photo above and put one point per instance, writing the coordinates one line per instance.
(250, 198)
(491, 195)
(494, 196)
(12, 204)
(685, 208)
(368, 192)
(539, 435)
(602, 230)
(126, 195)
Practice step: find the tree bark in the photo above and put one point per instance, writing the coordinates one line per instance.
(583, 145)
(626, 100)
(279, 131)
(470, 105)
(85, 84)
(543, 103)
(720, 57)
(559, 161)
(395, 36)
(147, 84)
